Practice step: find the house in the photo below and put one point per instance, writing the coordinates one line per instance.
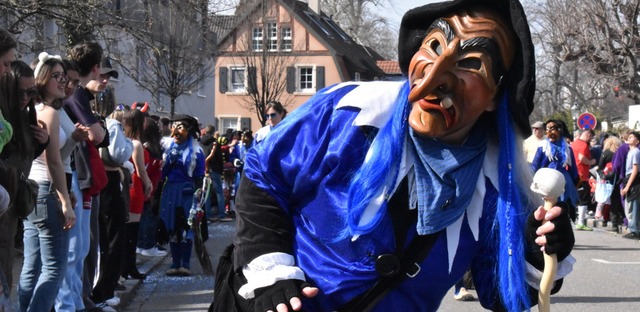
(281, 50)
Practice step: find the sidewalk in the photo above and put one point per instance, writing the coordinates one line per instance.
(146, 265)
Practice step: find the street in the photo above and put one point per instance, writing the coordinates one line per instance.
(604, 278)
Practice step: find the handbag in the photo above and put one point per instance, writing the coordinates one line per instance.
(603, 191)
(26, 197)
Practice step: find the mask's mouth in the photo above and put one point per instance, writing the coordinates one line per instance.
(443, 105)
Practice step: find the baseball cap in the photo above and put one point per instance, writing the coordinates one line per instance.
(537, 124)
(107, 69)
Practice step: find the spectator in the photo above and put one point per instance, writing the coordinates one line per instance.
(69, 297)
(7, 51)
(631, 180)
(584, 161)
(46, 236)
(139, 192)
(530, 145)
(151, 136)
(274, 112)
(28, 141)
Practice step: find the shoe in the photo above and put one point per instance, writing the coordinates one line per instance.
(104, 307)
(582, 227)
(184, 272)
(113, 302)
(631, 235)
(172, 272)
(226, 219)
(463, 295)
(135, 275)
(153, 252)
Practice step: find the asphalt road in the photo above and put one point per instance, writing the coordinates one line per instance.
(605, 278)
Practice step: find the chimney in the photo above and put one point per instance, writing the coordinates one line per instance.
(314, 5)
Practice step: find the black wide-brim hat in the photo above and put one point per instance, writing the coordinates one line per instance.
(520, 80)
(191, 122)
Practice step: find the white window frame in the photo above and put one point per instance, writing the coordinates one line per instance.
(233, 85)
(229, 122)
(286, 38)
(257, 39)
(271, 30)
(299, 78)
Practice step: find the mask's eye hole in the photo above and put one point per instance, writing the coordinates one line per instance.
(470, 63)
(436, 46)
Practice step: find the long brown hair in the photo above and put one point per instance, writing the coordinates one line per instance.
(20, 119)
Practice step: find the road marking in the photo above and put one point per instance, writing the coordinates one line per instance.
(609, 262)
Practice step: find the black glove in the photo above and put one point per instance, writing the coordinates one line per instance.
(267, 298)
(559, 242)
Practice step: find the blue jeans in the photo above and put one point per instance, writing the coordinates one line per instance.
(216, 185)
(634, 216)
(46, 246)
(148, 228)
(70, 294)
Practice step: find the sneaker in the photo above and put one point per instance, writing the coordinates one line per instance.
(153, 252)
(172, 272)
(631, 235)
(184, 272)
(113, 302)
(582, 227)
(463, 295)
(104, 307)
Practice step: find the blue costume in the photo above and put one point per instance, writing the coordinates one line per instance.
(183, 167)
(307, 174)
(559, 155)
(358, 169)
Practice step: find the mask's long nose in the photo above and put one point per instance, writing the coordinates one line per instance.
(437, 78)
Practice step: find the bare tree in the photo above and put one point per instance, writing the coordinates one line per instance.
(358, 19)
(589, 54)
(266, 66)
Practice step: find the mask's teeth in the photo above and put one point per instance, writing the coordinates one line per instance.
(446, 103)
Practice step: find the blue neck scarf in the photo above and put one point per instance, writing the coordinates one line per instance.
(446, 177)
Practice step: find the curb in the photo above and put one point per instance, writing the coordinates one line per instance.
(146, 266)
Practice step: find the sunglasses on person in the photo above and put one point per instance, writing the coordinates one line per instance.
(553, 128)
(59, 77)
(270, 116)
(28, 93)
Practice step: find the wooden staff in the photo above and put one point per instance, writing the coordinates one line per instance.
(550, 184)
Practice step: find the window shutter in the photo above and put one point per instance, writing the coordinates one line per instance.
(319, 77)
(252, 87)
(291, 79)
(223, 80)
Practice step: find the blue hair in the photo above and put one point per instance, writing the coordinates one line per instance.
(510, 218)
(380, 170)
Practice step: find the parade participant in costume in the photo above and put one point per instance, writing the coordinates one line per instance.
(555, 153)
(182, 171)
(333, 200)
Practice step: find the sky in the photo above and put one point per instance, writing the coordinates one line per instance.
(394, 12)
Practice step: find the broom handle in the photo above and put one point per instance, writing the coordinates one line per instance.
(549, 273)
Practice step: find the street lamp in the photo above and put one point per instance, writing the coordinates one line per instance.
(574, 116)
